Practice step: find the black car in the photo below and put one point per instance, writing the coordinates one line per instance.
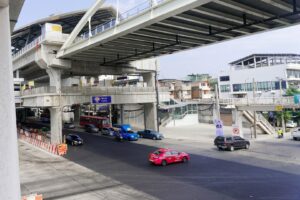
(73, 139)
(108, 131)
(150, 134)
(91, 128)
(231, 143)
(69, 125)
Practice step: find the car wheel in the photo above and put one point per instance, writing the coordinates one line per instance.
(294, 138)
(219, 148)
(184, 159)
(164, 163)
(231, 148)
(247, 146)
(154, 138)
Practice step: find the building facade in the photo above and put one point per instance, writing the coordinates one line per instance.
(260, 75)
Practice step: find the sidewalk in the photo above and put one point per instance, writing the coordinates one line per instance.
(203, 132)
(57, 178)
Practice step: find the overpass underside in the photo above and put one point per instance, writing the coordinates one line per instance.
(176, 25)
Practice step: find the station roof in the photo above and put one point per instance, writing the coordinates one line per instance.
(264, 55)
(28, 33)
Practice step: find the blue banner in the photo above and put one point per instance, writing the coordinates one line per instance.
(101, 99)
(296, 98)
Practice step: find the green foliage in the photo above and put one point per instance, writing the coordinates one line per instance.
(292, 91)
(287, 115)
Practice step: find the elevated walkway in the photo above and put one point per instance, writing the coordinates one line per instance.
(48, 96)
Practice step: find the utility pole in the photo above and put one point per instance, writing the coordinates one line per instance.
(282, 112)
(217, 104)
(254, 112)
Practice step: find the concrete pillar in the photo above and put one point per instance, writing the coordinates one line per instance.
(237, 120)
(56, 125)
(77, 114)
(9, 162)
(122, 114)
(55, 78)
(150, 116)
(149, 78)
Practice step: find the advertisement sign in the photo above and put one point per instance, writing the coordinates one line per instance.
(101, 99)
(219, 127)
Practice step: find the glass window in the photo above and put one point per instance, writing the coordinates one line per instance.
(237, 87)
(224, 78)
(225, 88)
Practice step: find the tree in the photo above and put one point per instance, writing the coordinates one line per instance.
(287, 115)
(291, 91)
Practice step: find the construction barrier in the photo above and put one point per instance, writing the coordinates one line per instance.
(62, 149)
(33, 197)
(42, 142)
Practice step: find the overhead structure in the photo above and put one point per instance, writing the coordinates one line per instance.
(168, 26)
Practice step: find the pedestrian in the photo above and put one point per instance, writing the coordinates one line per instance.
(280, 133)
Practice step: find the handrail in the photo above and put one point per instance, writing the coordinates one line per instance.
(88, 90)
(28, 47)
(143, 7)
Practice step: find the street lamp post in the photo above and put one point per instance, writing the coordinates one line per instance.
(282, 112)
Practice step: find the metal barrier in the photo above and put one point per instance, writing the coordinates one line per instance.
(143, 7)
(256, 101)
(28, 47)
(89, 90)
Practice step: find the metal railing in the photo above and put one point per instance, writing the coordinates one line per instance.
(107, 90)
(88, 90)
(143, 7)
(28, 47)
(256, 101)
(39, 90)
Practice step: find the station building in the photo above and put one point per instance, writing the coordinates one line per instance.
(260, 75)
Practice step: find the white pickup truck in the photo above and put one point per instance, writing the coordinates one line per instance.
(296, 134)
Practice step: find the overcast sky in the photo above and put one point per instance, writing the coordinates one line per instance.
(210, 59)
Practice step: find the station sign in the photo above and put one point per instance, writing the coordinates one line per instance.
(101, 99)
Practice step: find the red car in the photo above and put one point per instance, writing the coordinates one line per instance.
(168, 156)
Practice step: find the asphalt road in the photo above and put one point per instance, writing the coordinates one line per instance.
(210, 175)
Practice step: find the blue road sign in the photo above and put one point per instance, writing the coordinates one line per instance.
(101, 99)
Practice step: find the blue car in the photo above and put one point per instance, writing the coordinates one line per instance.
(126, 133)
(154, 135)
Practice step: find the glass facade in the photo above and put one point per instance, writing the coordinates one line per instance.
(225, 88)
(260, 86)
(293, 73)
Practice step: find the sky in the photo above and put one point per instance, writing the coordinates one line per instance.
(210, 59)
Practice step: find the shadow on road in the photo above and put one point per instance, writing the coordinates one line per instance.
(202, 178)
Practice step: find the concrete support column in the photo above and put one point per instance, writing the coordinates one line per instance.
(122, 114)
(77, 115)
(56, 125)
(149, 78)
(150, 116)
(55, 78)
(237, 119)
(9, 162)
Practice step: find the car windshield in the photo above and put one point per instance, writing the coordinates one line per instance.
(75, 137)
(92, 126)
(157, 152)
(130, 132)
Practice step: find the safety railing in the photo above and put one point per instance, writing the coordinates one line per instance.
(256, 101)
(28, 47)
(88, 90)
(143, 7)
(39, 90)
(106, 90)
